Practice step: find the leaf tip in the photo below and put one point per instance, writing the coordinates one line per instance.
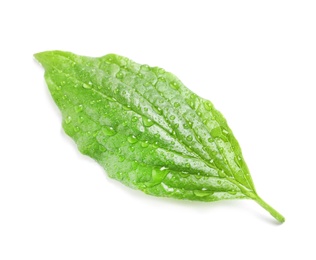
(43, 58)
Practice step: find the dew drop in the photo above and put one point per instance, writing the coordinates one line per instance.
(147, 122)
(68, 120)
(184, 174)
(176, 104)
(187, 165)
(144, 144)
(140, 75)
(121, 158)
(86, 86)
(58, 88)
(216, 132)
(81, 119)
(189, 138)
(221, 174)
(119, 75)
(79, 108)
(132, 139)
(159, 110)
(134, 118)
(208, 105)
(174, 85)
(172, 117)
(202, 193)
(145, 67)
(76, 129)
(232, 192)
(161, 71)
(102, 148)
(108, 59)
(119, 175)
(108, 130)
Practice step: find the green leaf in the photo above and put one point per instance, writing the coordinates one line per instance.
(147, 129)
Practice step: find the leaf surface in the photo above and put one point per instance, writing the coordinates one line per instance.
(147, 129)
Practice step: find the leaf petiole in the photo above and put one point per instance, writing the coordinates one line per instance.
(271, 210)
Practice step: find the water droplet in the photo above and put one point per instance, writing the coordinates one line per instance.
(76, 129)
(167, 188)
(232, 192)
(187, 165)
(86, 86)
(184, 174)
(79, 108)
(58, 88)
(68, 120)
(119, 175)
(174, 85)
(92, 102)
(189, 138)
(144, 144)
(202, 193)
(161, 71)
(159, 110)
(108, 130)
(210, 140)
(198, 176)
(147, 122)
(134, 118)
(172, 117)
(188, 148)
(190, 102)
(219, 182)
(216, 132)
(221, 174)
(140, 75)
(176, 104)
(208, 105)
(132, 139)
(225, 131)
(81, 119)
(156, 144)
(119, 75)
(121, 158)
(145, 67)
(186, 126)
(102, 148)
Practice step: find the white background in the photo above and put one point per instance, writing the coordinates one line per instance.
(255, 60)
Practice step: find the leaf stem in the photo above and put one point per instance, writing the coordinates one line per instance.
(271, 210)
